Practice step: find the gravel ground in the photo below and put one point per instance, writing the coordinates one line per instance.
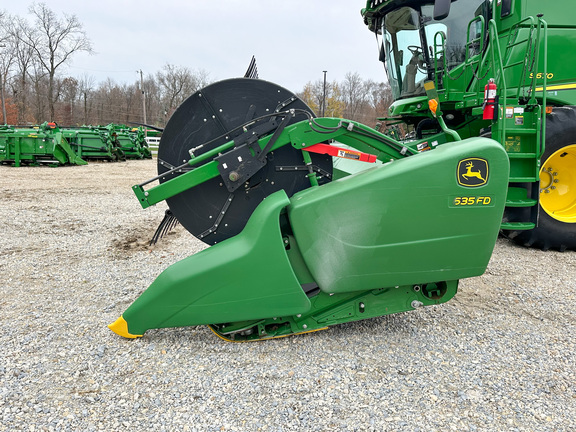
(499, 357)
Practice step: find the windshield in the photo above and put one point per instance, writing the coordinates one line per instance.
(408, 43)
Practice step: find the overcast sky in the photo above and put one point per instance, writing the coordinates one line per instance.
(293, 41)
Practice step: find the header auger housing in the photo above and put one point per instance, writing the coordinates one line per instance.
(43, 144)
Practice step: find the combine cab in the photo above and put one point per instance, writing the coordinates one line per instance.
(319, 221)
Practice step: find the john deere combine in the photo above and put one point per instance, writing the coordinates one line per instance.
(502, 70)
(319, 221)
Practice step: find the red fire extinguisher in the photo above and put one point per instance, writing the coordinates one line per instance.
(490, 100)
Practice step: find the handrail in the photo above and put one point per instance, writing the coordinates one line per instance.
(499, 68)
(440, 50)
(542, 24)
(480, 38)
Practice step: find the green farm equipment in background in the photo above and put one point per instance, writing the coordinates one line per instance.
(44, 144)
(131, 141)
(55, 145)
(93, 143)
(319, 221)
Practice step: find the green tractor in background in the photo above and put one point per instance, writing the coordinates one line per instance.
(313, 222)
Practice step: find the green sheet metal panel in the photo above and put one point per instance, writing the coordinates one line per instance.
(246, 277)
(406, 222)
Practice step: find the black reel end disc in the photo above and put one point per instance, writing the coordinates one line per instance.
(213, 116)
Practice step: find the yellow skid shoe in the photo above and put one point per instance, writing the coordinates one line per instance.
(120, 327)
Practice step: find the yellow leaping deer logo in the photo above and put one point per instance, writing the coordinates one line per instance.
(473, 172)
(470, 173)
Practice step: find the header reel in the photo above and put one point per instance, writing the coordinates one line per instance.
(242, 110)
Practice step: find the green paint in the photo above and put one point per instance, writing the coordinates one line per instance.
(526, 54)
(370, 246)
(395, 225)
(399, 234)
(246, 277)
(35, 145)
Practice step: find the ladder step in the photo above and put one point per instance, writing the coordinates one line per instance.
(522, 155)
(528, 202)
(523, 179)
(517, 226)
(520, 131)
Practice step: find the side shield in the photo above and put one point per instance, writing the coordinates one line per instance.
(245, 277)
(430, 217)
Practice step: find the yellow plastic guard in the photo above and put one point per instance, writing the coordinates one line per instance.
(120, 327)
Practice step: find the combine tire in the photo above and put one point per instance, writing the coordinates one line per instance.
(557, 212)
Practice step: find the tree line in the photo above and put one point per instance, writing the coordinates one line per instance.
(35, 49)
(353, 98)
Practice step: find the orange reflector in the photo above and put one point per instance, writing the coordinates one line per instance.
(433, 105)
(549, 110)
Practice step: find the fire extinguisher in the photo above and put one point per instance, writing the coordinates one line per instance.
(490, 106)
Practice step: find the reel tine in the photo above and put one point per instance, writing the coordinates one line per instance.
(167, 224)
(173, 223)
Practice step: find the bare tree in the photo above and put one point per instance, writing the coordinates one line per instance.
(40, 91)
(24, 58)
(130, 104)
(354, 98)
(6, 61)
(86, 85)
(153, 101)
(354, 93)
(69, 89)
(53, 40)
(177, 83)
(380, 97)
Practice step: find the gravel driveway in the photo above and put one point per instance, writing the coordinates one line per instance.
(499, 357)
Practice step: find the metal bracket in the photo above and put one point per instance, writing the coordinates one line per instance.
(285, 103)
(237, 166)
(221, 214)
(315, 168)
(172, 167)
(241, 163)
